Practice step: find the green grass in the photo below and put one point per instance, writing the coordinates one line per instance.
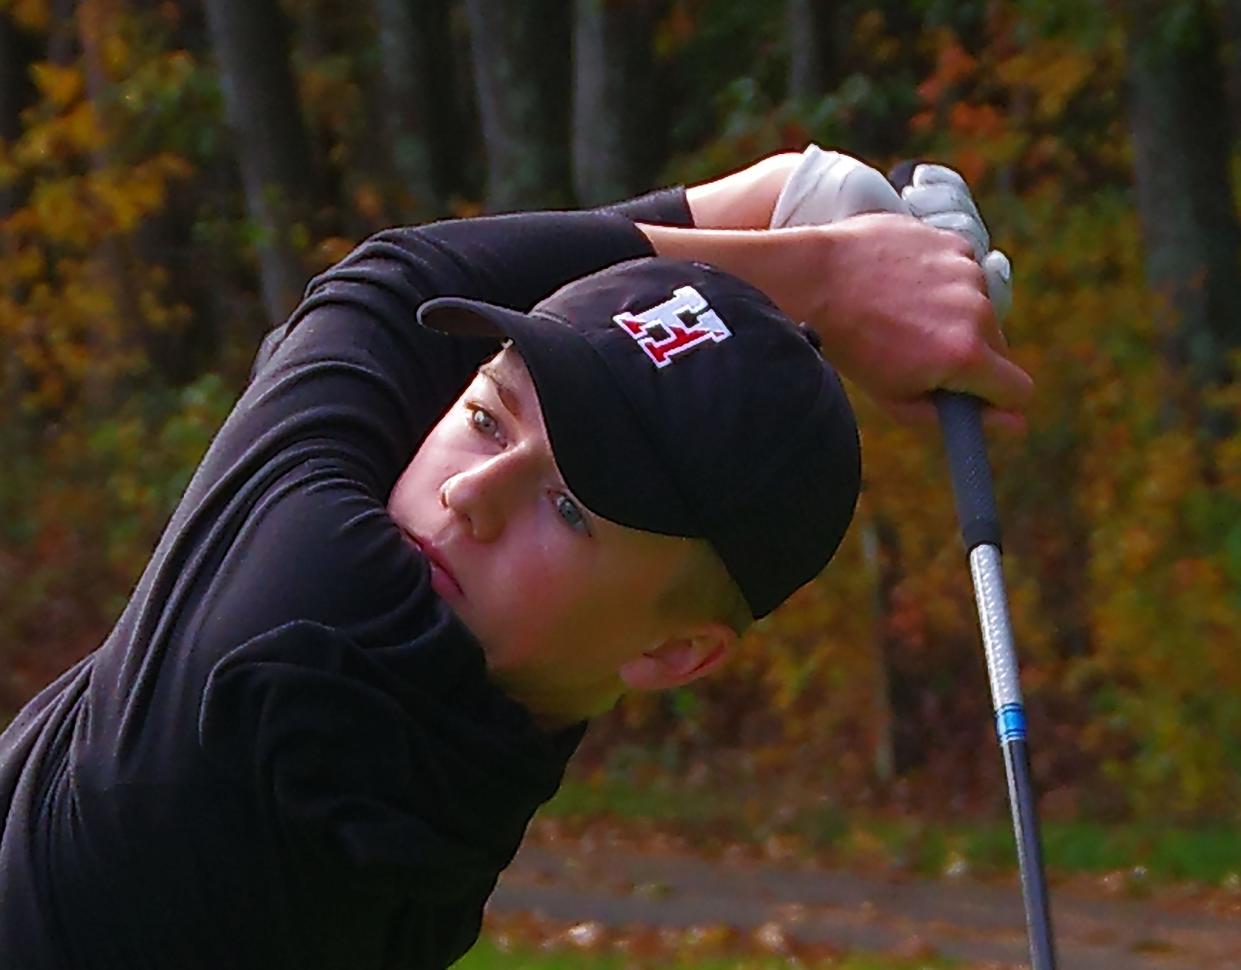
(1209, 855)
(485, 956)
(654, 801)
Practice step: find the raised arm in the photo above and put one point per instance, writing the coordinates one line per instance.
(901, 307)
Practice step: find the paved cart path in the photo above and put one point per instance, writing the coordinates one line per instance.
(974, 922)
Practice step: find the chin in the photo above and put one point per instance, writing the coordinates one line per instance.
(497, 653)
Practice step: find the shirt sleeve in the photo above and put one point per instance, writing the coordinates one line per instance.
(663, 207)
(353, 370)
(372, 298)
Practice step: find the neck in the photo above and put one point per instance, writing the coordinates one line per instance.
(554, 708)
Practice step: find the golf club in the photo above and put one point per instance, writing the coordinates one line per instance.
(828, 187)
(960, 419)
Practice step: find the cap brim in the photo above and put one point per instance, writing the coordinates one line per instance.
(461, 317)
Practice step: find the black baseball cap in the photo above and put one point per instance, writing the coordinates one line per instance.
(679, 399)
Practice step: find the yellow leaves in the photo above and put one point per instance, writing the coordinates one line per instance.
(115, 52)
(57, 209)
(1164, 612)
(1138, 548)
(28, 263)
(61, 86)
(83, 210)
(1174, 467)
(127, 195)
(9, 171)
(63, 126)
(1228, 463)
(46, 334)
(1052, 69)
(73, 133)
(870, 32)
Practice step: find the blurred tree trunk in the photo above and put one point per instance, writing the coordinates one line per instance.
(520, 50)
(1178, 111)
(115, 259)
(814, 39)
(16, 93)
(406, 90)
(62, 32)
(881, 553)
(251, 42)
(458, 155)
(172, 239)
(616, 134)
(1231, 10)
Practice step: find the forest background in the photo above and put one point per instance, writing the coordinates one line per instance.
(172, 172)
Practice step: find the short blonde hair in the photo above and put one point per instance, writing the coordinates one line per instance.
(704, 590)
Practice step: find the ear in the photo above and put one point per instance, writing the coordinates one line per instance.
(680, 659)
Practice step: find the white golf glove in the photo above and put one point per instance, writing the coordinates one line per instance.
(939, 197)
(829, 186)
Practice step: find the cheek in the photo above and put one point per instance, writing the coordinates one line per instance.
(409, 494)
(431, 465)
(544, 568)
(544, 583)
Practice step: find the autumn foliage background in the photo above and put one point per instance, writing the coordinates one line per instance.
(143, 253)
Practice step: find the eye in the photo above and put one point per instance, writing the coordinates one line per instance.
(571, 513)
(482, 421)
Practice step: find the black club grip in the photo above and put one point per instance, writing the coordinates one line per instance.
(960, 419)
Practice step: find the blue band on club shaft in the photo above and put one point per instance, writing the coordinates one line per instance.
(1010, 723)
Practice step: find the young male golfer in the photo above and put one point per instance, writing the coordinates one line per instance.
(399, 583)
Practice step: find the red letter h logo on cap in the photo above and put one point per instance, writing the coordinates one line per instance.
(677, 325)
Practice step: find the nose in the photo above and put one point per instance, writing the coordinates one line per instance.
(487, 494)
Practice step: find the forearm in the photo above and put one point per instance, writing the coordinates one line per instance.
(744, 199)
(901, 307)
(774, 261)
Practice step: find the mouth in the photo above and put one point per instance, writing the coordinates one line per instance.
(442, 579)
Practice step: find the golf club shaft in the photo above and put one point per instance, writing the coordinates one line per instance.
(961, 420)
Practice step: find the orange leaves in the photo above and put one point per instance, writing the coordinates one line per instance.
(676, 29)
(29, 14)
(953, 65)
(976, 120)
(1013, 103)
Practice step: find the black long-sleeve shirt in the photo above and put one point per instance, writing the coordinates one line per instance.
(287, 753)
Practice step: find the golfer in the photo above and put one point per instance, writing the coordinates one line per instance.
(491, 474)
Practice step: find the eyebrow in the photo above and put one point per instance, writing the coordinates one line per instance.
(508, 396)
